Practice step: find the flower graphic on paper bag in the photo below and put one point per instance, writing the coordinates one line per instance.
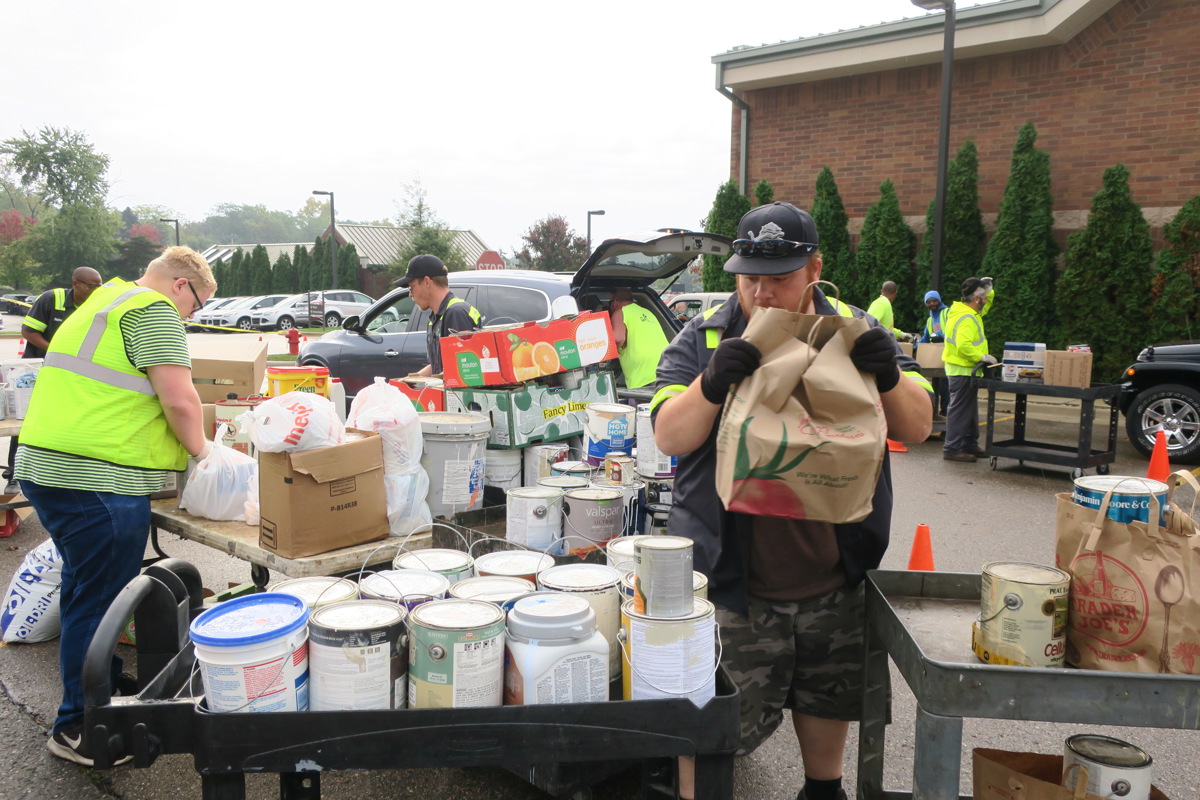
(762, 489)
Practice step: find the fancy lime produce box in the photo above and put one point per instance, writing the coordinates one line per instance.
(522, 415)
(518, 353)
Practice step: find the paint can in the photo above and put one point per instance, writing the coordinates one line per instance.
(454, 457)
(408, 587)
(513, 564)
(574, 469)
(454, 564)
(496, 589)
(565, 482)
(534, 516)
(281, 380)
(618, 469)
(669, 658)
(1131, 497)
(650, 462)
(618, 554)
(319, 590)
(357, 656)
(456, 655)
(633, 521)
(608, 428)
(503, 469)
(600, 584)
(553, 652)
(539, 458)
(657, 515)
(1115, 769)
(663, 566)
(253, 653)
(1023, 615)
(660, 490)
(590, 518)
(226, 413)
(629, 585)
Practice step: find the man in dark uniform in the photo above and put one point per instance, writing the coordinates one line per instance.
(429, 287)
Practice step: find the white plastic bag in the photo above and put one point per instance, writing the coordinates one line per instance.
(217, 486)
(406, 507)
(31, 612)
(384, 409)
(292, 422)
(252, 513)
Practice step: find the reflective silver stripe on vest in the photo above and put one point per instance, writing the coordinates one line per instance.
(99, 373)
(91, 341)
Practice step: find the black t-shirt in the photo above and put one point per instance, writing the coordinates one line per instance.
(447, 321)
(44, 312)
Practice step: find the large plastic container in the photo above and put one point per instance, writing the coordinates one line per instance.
(454, 457)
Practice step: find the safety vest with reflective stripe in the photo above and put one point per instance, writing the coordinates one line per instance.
(89, 400)
(966, 343)
(644, 345)
(472, 311)
(60, 304)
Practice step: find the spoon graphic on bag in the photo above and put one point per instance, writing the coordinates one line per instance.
(1168, 587)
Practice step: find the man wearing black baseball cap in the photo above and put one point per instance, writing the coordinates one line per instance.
(429, 287)
(788, 592)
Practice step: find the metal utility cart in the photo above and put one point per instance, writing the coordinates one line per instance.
(922, 620)
(1079, 457)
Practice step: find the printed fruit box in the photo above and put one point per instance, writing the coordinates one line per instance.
(523, 415)
(426, 394)
(496, 356)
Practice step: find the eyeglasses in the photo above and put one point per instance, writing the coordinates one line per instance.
(772, 248)
(90, 285)
(199, 303)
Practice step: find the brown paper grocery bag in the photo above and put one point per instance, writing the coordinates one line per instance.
(804, 436)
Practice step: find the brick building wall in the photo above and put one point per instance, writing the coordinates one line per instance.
(1125, 90)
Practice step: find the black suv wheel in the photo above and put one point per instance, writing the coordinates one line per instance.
(1175, 410)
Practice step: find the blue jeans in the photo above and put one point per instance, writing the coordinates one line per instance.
(102, 539)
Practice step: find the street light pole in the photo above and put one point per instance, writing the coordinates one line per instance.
(939, 213)
(176, 228)
(591, 214)
(332, 240)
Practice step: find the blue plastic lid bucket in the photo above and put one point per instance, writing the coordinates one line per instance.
(249, 620)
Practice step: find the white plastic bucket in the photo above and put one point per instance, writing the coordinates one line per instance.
(454, 457)
(609, 428)
(253, 653)
(503, 469)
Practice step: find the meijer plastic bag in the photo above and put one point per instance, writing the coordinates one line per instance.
(218, 485)
(384, 409)
(292, 422)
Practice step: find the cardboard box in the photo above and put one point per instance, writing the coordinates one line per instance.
(1065, 368)
(1020, 373)
(929, 354)
(1030, 354)
(523, 415)
(1004, 775)
(424, 396)
(229, 364)
(515, 354)
(319, 500)
(11, 518)
(906, 348)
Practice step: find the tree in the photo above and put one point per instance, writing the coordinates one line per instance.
(348, 266)
(235, 274)
(1021, 254)
(318, 266)
(963, 240)
(313, 217)
(885, 253)
(53, 168)
(1106, 278)
(16, 264)
(260, 271)
(833, 233)
(133, 255)
(423, 232)
(283, 276)
(300, 266)
(728, 208)
(551, 245)
(1175, 288)
(80, 235)
(763, 193)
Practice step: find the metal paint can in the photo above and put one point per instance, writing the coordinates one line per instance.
(534, 516)
(513, 564)
(608, 428)
(575, 469)
(1115, 769)
(539, 458)
(498, 589)
(1023, 615)
(357, 656)
(618, 554)
(456, 655)
(650, 462)
(633, 521)
(600, 584)
(590, 518)
(565, 482)
(699, 585)
(318, 590)
(618, 469)
(408, 587)
(657, 515)
(663, 566)
(1131, 497)
(454, 564)
(669, 658)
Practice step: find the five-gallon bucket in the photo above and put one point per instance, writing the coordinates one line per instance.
(281, 380)
(503, 469)
(454, 457)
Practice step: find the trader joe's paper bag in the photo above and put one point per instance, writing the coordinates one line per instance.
(804, 436)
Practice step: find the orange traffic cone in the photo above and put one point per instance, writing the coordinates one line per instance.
(21, 348)
(922, 550)
(896, 447)
(1160, 465)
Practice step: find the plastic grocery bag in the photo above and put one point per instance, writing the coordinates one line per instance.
(292, 422)
(252, 513)
(31, 605)
(406, 507)
(384, 409)
(218, 485)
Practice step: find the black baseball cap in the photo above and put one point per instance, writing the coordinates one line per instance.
(423, 266)
(773, 239)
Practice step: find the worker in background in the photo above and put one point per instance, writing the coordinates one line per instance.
(881, 309)
(45, 317)
(933, 334)
(640, 339)
(429, 285)
(113, 413)
(966, 348)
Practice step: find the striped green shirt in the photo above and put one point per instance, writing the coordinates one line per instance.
(153, 335)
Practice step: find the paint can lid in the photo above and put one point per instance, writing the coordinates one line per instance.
(453, 423)
(552, 615)
(251, 619)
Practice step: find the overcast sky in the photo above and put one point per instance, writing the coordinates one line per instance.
(505, 112)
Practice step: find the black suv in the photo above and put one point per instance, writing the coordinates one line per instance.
(388, 339)
(1161, 392)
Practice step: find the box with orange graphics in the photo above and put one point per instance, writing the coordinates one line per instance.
(519, 353)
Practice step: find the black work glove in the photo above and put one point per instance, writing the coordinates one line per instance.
(731, 362)
(875, 352)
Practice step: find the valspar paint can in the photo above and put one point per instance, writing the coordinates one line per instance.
(454, 564)
(663, 567)
(669, 657)
(408, 587)
(456, 655)
(1115, 769)
(357, 656)
(553, 652)
(608, 428)
(492, 589)
(1023, 615)
(650, 462)
(534, 516)
(1131, 497)
(618, 554)
(319, 590)
(634, 494)
(524, 564)
(539, 458)
(601, 586)
(590, 518)
(699, 585)
(564, 482)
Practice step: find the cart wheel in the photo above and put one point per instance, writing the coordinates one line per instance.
(992, 462)
(1102, 469)
(1077, 473)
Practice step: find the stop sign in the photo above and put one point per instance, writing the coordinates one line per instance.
(490, 260)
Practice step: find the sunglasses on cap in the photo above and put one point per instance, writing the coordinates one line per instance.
(772, 248)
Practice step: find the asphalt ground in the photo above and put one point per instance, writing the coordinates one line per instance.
(976, 515)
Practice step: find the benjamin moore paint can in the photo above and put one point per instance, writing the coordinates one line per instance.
(600, 584)
(456, 654)
(1115, 769)
(454, 564)
(608, 428)
(319, 590)
(357, 656)
(408, 587)
(1022, 615)
(663, 566)
(534, 516)
(1131, 497)
(513, 564)
(492, 589)
(590, 518)
(669, 657)
(650, 462)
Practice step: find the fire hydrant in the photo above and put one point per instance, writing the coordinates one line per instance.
(293, 337)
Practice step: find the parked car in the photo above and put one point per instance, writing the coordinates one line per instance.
(388, 339)
(331, 307)
(290, 313)
(9, 304)
(239, 314)
(1161, 392)
(686, 306)
(212, 305)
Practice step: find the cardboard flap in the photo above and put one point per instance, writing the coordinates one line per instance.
(327, 464)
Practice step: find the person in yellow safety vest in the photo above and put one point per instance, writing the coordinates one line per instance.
(881, 309)
(966, 348)
(113, 412)
(640, 339)
(429, 285)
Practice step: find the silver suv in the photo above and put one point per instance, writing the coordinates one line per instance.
(285, 315)
(239, 314)
(333, 306)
